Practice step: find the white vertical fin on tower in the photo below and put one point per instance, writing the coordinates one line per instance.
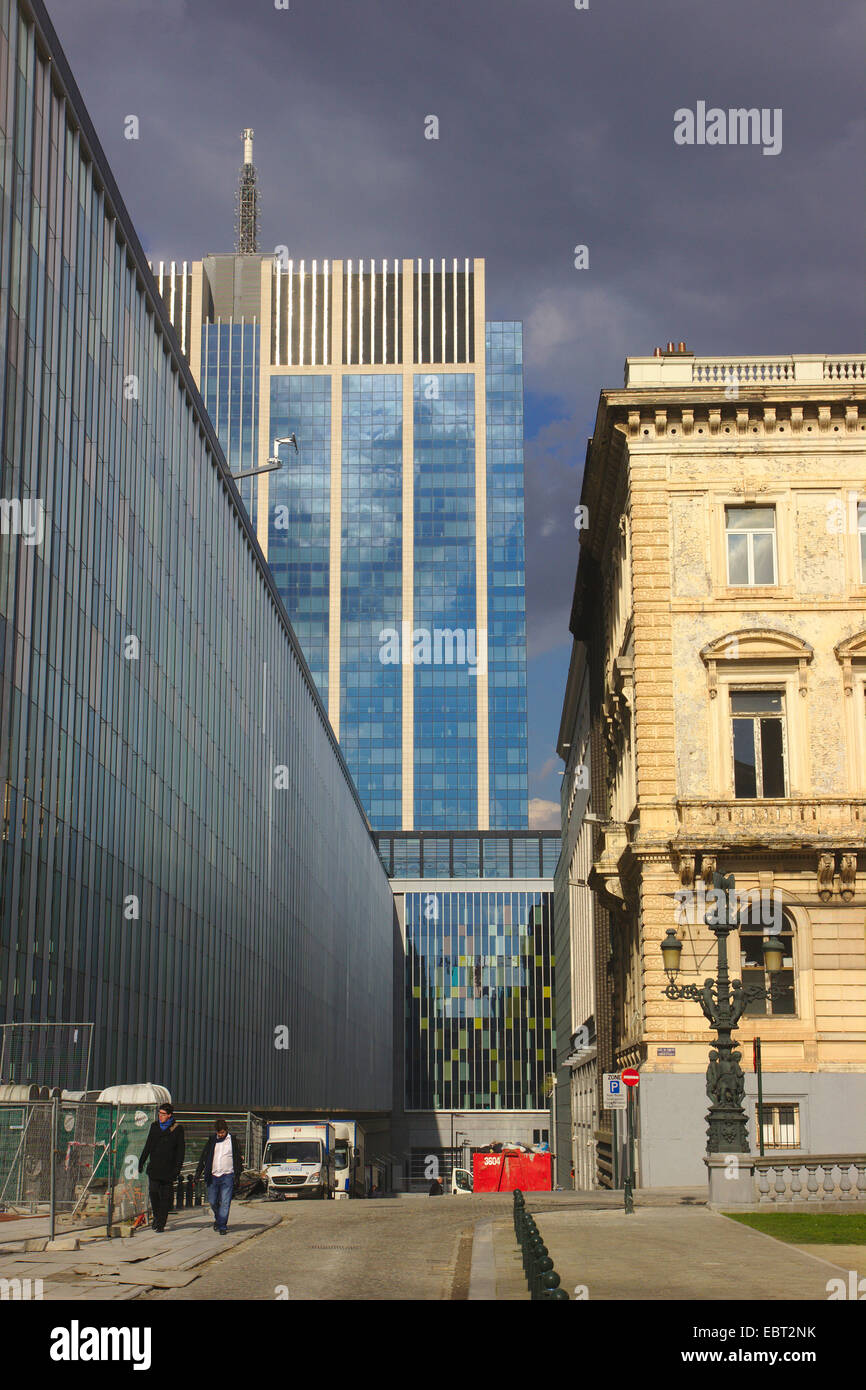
(442, 296)
(454, 320)
(326, 314)
(278, 284)
(301, 362)
(290, 299)
(349, 313)
(315, 319)
(372, 312)
(361, 313)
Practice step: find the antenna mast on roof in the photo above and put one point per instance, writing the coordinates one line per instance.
(247, 203)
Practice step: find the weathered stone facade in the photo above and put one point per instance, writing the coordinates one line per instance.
(688, 452)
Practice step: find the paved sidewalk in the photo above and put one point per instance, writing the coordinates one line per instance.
(658, 1253)
(124, 1268)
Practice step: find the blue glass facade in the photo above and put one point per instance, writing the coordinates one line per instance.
(371, 588)
(183, 858)
(230, 390)
(345, 526)
(506, 581)
(478, 999)
(299, 523)
(446, 694)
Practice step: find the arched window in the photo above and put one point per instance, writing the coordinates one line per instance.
(756, 923)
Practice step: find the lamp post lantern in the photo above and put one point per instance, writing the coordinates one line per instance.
(723, 1002)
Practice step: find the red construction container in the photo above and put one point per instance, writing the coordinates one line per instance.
(504, 1172)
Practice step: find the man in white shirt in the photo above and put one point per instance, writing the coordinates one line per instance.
(221, 1163)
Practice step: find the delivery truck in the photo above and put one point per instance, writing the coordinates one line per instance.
(350, 1158)
(299, 1160)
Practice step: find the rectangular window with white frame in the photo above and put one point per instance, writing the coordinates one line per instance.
(781, 1125)
(751, 546)
(758, 744)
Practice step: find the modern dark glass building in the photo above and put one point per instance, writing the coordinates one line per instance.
(184, 859)
(395, 532)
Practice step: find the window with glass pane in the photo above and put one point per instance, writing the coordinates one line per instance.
(753, 972)
(781, 1125)
(758, 732)
(861, 527)
(751, 538)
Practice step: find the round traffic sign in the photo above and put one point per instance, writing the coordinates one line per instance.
(631, 1076)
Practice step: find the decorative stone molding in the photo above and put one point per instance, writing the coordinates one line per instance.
(708, 868)
(847, 652)
(847, 876)
(760, 645)
(826, 874)
(686, 866)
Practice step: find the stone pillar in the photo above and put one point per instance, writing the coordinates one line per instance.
(731, 1180)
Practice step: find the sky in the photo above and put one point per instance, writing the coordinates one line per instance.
(555, 130)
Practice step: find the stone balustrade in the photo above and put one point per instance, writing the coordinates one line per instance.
(800, 820)
(799, 369)
(817, 1178)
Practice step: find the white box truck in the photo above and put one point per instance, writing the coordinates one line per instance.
(299, 1160)
(351, 1158)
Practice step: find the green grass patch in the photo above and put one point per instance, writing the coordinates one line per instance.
(807, 1228)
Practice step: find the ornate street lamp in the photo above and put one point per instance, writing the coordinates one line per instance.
(723, 1002)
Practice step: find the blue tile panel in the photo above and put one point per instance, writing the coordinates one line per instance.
(445, 751)
(299, 523)
(371, 590)
(479, 1025)
(230, 390)
(506, 583)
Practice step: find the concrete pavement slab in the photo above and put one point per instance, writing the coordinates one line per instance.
(672, 1253)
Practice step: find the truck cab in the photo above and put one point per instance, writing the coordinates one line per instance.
(350, 1158)
(299, 1161)
(461, 1182)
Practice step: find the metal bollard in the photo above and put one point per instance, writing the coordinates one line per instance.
(189, 1192)
(178, 1194)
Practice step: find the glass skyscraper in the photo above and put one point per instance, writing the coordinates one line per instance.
(184, 859)
(395, 532)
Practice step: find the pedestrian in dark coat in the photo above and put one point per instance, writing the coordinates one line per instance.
(163, 1155)
(222, 1163)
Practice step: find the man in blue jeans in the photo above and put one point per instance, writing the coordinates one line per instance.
(221, 1163)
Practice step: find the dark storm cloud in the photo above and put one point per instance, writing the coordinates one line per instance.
(556, 129)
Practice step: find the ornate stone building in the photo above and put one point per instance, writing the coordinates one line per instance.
(721, 596)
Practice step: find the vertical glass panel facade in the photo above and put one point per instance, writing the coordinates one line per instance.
(479, 1000)
(446, 763)
(175, 815)
(299, 524)
(506, 582)
(371, 591)
(230, 390)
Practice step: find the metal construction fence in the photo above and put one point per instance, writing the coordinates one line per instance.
(76, 1162)
(198, 1127)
